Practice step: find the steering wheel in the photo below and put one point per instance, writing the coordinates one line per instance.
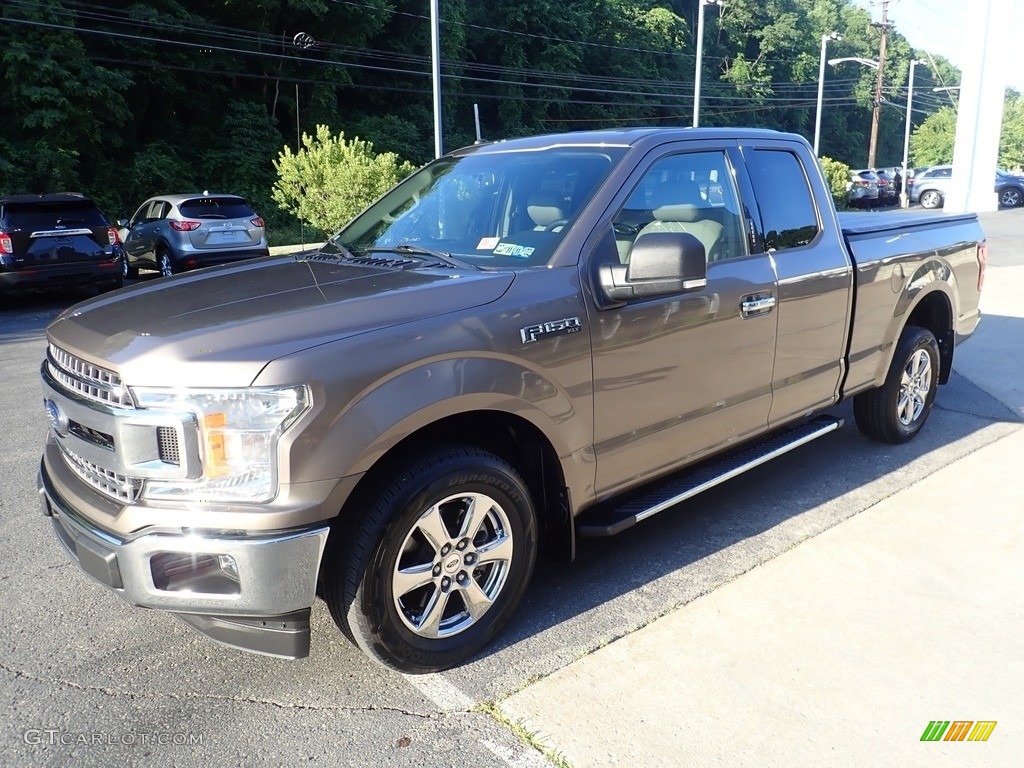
(625, 229)
(555, 224)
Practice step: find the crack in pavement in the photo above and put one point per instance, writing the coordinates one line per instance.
(117, 693)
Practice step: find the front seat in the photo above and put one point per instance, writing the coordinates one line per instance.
(680, 208)
(544, 209)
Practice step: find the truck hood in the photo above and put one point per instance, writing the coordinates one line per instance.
(220, 326)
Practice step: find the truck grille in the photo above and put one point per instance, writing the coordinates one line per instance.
(88, 380)
(117, 486)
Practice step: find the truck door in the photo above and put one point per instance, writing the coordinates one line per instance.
(815, 278)
(678, 376)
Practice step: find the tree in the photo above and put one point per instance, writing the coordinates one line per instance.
(837, 175)
(331, 179)
(932, 142)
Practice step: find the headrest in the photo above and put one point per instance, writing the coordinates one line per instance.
(676, 193)
(681, 212)
(545, 209)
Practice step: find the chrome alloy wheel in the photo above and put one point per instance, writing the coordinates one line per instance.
(453, 564)
(915, 384)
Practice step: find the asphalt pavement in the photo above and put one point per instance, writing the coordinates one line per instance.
(850, 647)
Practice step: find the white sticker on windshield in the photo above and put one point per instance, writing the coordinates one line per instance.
(511, 249)
(487, 243)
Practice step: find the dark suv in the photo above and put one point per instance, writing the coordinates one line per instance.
(61, 240)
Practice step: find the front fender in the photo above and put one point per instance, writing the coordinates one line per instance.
(415, 398)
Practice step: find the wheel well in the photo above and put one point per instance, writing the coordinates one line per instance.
(509, 437)
(935, 314)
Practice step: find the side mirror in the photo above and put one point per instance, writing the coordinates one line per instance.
(122, 223)
(660, 263)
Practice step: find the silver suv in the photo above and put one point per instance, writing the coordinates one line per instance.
(931, 185)
(174, 233)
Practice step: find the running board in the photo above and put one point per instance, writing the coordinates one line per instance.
(608, 521)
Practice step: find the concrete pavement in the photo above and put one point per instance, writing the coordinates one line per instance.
(842, 650)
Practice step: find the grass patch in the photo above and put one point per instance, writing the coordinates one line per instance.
(527, 737)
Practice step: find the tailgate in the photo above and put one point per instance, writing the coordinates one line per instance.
(47, 234)
(42, 248)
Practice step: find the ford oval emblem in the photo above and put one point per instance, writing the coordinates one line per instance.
(58, 420)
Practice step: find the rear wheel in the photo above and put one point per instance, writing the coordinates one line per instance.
(438, 565)
(166, 264)
(896, 411)
(931, 199)
(1011, 197)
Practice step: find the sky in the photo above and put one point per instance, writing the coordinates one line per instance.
(938, 26)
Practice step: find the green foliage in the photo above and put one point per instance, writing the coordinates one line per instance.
(178, 95)
(932, 142)
(1011, 140)
(837, 175)
(331, 179)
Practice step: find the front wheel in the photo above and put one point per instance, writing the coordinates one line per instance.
(1011, 197)
(931, 199)
(127, 270)
(896, 411)
(439, 563)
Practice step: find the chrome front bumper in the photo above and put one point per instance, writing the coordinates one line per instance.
(252, 592)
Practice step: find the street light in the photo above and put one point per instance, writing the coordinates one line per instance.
(435, 71)
(700, 54)
(821, 82)
(866, 62)
(904, 198)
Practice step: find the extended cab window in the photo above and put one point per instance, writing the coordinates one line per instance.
(691, 192)
(784, 197)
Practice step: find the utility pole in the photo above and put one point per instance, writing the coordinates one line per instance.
(884, 26)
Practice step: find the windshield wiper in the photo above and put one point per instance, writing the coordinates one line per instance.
(418, 250)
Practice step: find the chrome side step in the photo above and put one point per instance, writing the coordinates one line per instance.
(613, 519)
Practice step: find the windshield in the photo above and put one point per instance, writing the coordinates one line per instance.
(497, 209)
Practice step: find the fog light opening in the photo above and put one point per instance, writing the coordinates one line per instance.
(195, 573)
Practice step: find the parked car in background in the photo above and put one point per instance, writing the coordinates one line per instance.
(931, 185)
(1010, 188)
(55, 241)
(863, 189)
(887, 187)
(174, 233)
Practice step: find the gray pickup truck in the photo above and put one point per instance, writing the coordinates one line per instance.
(523, 344)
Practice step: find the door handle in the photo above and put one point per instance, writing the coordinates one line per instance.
(757, 304)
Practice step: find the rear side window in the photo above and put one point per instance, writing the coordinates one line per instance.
(45, 216)
(216, 208)
(784, 197)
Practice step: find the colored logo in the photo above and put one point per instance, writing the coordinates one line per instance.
(958, 730)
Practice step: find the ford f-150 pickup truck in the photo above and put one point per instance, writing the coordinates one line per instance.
(522, 344)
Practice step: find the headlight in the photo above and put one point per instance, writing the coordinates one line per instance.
(238, 434)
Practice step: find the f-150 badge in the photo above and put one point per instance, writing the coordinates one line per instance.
(550, 328)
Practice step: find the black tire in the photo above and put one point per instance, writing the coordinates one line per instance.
(492, 557)
(931, 199)
(165, 264)
(896, 411)
(1011, 197)
(127, 270)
